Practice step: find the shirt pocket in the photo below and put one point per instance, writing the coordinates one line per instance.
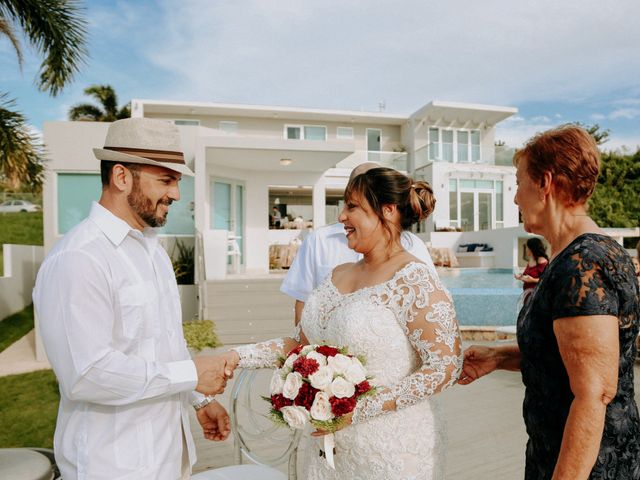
(134, 302)
(133, 442)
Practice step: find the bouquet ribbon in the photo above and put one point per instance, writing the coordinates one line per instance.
(329, 444)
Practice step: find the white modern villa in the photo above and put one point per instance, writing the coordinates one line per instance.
(250, 159)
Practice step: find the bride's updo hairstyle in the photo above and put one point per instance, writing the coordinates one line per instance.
(386, 186)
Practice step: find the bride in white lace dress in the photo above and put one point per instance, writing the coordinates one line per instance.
(394, 310)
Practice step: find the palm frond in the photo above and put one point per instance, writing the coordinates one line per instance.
(7, 29)
(21, 152)
(106, 95)
(125, 112)
(86, 112)
(57, 29)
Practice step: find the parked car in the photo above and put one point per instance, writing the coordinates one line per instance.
(18, 206)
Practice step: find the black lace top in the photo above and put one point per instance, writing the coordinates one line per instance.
(594, 275)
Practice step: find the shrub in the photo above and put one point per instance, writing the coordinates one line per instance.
(200, 334)
(184, 263)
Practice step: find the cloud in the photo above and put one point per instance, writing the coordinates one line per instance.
(628, 113)
(354, 54)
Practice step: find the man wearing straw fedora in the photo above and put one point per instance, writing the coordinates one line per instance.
(110, 319)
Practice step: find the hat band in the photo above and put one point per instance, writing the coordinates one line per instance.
(157, 155)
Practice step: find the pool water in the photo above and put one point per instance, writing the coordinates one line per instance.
(483, 296)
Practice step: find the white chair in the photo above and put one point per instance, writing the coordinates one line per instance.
(252, 429)
(233, 251)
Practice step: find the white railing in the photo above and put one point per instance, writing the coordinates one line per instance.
(21, 263)
(397, 160)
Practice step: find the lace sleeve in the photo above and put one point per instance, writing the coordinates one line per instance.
(265, 354)
(425, 311)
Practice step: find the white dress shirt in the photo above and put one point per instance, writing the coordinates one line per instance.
(327, 247)
(109, 315)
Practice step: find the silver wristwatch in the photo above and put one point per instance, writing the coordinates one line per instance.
(204, 402)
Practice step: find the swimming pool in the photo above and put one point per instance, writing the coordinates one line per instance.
(483, 296)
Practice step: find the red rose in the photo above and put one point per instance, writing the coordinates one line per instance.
(362, 387)
(278, 401)
(305, 397)
(327, 351)
(295, 351)
(342, 406)
(305, 366)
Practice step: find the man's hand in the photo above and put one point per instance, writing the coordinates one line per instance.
(214, 420)
(212, 374)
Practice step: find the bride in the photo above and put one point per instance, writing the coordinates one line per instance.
(393, 309)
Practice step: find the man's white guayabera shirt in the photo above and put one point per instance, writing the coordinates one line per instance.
(109, 314)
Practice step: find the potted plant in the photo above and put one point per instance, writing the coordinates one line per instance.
(183, 259)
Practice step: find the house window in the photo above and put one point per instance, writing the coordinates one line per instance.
(434, 144)
(499, 204)
(344, 133)
(228, 127)
(447, 145)
(453, 203)
(305, 132)
(190, 123)
(475, 145)
(463, 146)
(76, 191)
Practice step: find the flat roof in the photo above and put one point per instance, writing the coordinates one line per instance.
(436, 110)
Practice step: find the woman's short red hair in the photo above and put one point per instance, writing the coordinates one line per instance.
(572, 157)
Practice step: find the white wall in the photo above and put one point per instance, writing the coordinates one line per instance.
(21, 263)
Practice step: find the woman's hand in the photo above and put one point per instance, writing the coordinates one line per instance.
(478, 361)
(346, 421)
(231, 358)
(528, 279)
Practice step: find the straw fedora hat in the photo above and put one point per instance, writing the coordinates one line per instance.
(146, 141)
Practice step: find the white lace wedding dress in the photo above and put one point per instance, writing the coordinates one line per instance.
(407, 331)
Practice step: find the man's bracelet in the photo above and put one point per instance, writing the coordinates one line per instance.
(204, 402)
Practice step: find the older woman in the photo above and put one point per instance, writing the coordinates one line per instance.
(576, 335)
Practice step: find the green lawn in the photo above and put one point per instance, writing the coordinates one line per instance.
(15, 327)
(28, 409)
(20, 228)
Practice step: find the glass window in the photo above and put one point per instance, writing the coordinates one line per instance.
(475, 145)
(344, 132)
(193, 123)
(447, 145)
(228, 127)
(76, 191)
(499, 201)
(315, 133)
(484, 210)
(463, 146)
(293, 133)
(434, 144)
(453, 202)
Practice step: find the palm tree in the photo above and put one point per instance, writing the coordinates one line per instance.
(56, 29)
(108, 100)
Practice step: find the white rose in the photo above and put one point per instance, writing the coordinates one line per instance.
(307, 348)
(339, 363)
(341, 388)
(290, 359)
(296, 417)
(322, 378)
(292, 385)
(321, 408)
(355, 373)
(276, 382)
(318, 357)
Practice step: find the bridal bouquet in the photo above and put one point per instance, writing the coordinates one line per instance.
(317, 384)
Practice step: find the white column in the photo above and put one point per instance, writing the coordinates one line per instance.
(319, 203)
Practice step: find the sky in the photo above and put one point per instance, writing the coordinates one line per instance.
(555, 61)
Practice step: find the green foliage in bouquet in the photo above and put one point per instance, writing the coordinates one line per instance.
(200, 334)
